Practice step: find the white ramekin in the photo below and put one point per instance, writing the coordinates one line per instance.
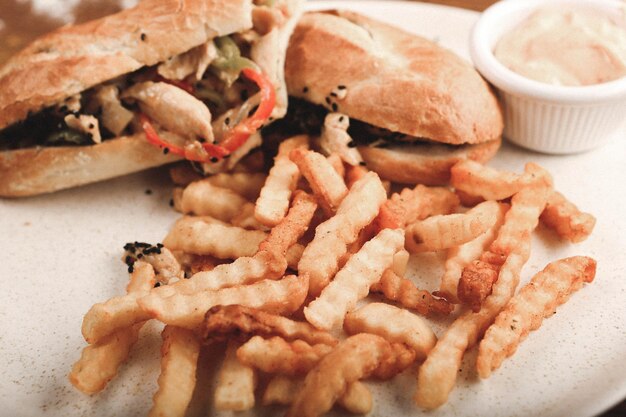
(543, 117)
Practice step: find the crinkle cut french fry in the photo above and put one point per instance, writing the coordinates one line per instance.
(273, 201)
(335, 161)
(353, 281)
(437, 375)
(566, 219)
(277, 356)
(527, 309)
(321, 257)
(194, 235)
(235, 383)
(325, 182)
(281, 297)
(286, 234)
(354, 173)
(283, 389)
(396, 325)
(476, 179)
(202, 198)
(223, 322)
(355, 358)
(411, 205)
(402, 291)
(102, 319)
(269, 262)
(459, 257)
(179, 360)
(247, 185)
(446, 231)
(100, 361)
(246, 219)
(513, 237)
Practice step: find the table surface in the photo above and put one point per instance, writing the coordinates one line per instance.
(479, 5)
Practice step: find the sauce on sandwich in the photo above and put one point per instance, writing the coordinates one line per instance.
(566, 47)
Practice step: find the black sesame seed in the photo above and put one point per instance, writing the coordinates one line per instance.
(333, 94)
(91, 125)
(305, 90)
(341, 87)
(130, 269)
(159, 245)
(140, 256)
(166, 151)
(227, 121)
(352, 144)
(213, 159)
(144, 37)
(341, 119)
(171, 202)
(157, 285)
(148, 191)
(335, 107)
(327, 100)
(362, 163)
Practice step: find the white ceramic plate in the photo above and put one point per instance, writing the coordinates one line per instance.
(61, 253)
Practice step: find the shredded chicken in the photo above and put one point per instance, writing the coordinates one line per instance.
(335, 139)
(115, 117)
(86, 124)
(195, 61)
(173, 108)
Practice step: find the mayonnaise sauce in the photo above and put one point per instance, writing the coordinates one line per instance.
(566, 47)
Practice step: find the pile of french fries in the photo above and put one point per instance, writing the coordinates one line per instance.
(278, 267)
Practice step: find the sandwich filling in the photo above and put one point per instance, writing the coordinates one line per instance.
(213, 97)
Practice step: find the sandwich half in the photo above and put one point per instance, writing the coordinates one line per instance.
(414, 108)
(163, 81)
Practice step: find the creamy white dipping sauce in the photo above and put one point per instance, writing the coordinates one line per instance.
(566, 47)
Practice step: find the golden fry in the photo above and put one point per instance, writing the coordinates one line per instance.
(355, 358)
(188, 310)
(476, 179)
(525, 311)
(438, 373)
(325, 182)
(566, 219)
(273, 202)
(277, 356)
(99, 362)
(235, 383)
(411, 205)
(198, 236)
(222, 322)
(404, 292)
(179, 359)
(459, 257)
(353, 281)
(283, 389)
(247, 185)
(394, 324)
(320, 259)
(446, 231)
(202, 198)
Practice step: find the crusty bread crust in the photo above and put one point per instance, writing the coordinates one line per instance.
(393, 79)
(424, 163)
(75, 58)
(32, 171)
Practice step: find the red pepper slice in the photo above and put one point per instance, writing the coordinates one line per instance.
(180, 84)
(236, 137)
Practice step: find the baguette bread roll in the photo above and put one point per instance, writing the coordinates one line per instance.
(390, 79)
(424, 163)
(75, 58)
(32, 171)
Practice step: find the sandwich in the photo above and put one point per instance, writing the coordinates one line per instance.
(163, 81)
(377, 95)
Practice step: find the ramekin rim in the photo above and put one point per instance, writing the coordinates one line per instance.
(513, 83)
